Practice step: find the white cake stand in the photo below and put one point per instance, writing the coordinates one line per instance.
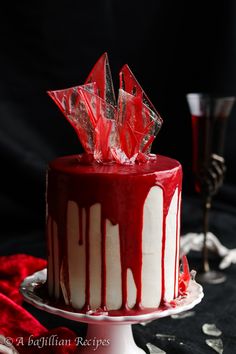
(115, 330)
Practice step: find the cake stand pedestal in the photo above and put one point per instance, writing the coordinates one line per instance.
(119, 339)
(106, 334)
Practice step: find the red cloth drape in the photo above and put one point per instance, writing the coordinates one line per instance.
(17, 324)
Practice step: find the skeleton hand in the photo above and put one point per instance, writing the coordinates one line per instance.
(229, 259)
(194, 242)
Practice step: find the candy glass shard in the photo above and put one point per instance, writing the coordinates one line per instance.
(101, 74)
(72, 103)
(154, 350)
(210, 329)
(169, 337)
(153, 124)
(121, 158)
(182, 315)
(80, 118)
(66, 99)
(145, 323)
(129, 83)
(138, 124)
(98, 106)
(109, 134)
(216, 344)
(105, 140)
(102, 116)
(134, 124)
(127, 118)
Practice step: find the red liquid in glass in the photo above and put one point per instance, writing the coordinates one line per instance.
(200, 131)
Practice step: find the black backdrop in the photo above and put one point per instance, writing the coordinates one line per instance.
(173, 47)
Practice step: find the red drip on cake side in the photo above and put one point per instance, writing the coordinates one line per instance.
(177, 247)
(122, 202)
(167, 200)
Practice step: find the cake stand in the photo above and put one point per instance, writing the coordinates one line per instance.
(107, 334)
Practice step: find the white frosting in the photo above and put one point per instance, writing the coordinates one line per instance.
(152, 248)
(170, 249)
(76, 256)
(178, 248)
(53, 261)
(131, 289)
(50, 258)
(113, 269)
(151, 262)
(95, 262)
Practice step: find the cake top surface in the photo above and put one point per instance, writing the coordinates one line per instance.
(72, 165)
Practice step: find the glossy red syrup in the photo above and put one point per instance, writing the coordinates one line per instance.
(121, 190)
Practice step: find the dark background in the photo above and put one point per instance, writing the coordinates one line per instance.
(173, 47)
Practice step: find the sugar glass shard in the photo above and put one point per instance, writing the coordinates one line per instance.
(129, 118)
(101, 74)
(216, 344)
(72, 103)
(146, 323)
(122, 134)
(135, 125)
(154, 350)
(105, 140)
(210, 329)
(129, 83)
(102, 115)
(66, 99)
(182, 315)
(168, 337)
(98, 106)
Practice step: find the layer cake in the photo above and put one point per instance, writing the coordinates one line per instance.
(113, 233)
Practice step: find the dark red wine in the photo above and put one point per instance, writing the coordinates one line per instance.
(200, 146)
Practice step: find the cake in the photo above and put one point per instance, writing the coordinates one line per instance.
(113, 233)
(113, 212)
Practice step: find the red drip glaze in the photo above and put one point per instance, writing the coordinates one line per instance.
(184, 277)
(177, 244)
(163, 254)
(121, 190)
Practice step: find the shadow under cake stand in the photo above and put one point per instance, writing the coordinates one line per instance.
(115, 329)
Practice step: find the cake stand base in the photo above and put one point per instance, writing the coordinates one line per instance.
(107, 334)
(110, 339)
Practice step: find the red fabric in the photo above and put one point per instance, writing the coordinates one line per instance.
(28, 335)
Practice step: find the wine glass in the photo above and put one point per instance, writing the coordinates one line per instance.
(209, 120)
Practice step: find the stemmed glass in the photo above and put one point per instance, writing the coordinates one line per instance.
(209, 120)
